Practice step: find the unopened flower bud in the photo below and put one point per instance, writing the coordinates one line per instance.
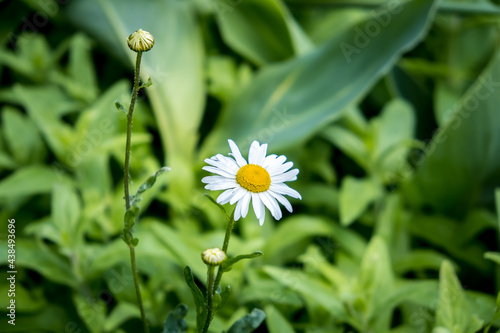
(140, 40)
(213, 257)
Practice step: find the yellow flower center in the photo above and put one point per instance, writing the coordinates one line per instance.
(254, 178)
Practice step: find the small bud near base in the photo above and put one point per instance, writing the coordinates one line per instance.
(140, 41)
(213, 257)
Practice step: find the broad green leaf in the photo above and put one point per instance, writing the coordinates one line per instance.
(460, 160)
(22, 137)
(276, 322)
(307, 286)
(249, 322)
(261, 30)
(447, 6)
(453, 312)
(355, 197)
(289, 102)
(175, 65)
(30, 180)
(66, 210)
(419, 260)
(175, 322)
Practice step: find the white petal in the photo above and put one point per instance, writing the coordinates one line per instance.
(213, 179)
(282, 200)
(271, 204)
(269, 160)
(219, 172)
(253, 152)
(280, 168)
(257, 153)
(238, 194)
(245, 203)
(285, 189)
(258, 206)
(221, 186)
(225, 196)
(223, 164)
(236, 153)
(285, 177)
(237, 211)
(262, 218)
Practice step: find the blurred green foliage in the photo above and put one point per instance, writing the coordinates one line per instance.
(388, 108)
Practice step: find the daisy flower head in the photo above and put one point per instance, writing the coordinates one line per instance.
(261, 180)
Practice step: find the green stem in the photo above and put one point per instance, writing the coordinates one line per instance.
(126, 181)
(210, 296)
(212, 289)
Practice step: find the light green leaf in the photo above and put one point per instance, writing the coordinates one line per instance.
(28, 181)
(22, 137)
(355, 197)
(453, 312)
(249, 322)
(91, 310)
(351, 144)
(66, 214)
(322, 294)
(38, 257)
(261, 30)
(287, 103)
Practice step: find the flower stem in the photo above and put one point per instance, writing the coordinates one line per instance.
(126, 181)
(213, 285)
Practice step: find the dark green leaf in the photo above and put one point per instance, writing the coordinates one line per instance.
(175, 322)
(249, 322)
(199, 299)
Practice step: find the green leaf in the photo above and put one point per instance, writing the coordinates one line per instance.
(224, 296)
(261, 30)
(22, 137)
(227, 265)
(351, 144)
(249, 322)
(275, 321)
(30, 180)
(66, 210)
(461, 159)
(287, 103)
(175, 322)
(45, 105)
(493, 256)
(91, 310)
(307, 286)
(120, 314)
(223, 210)
(134, 199)
(199, 299)
(38, 257)
(355, 197)
(453, 312)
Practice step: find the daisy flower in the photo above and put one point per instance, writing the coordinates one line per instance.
(261, 180)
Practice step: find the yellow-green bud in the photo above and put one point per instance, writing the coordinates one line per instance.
(140, 40)
(213, 257)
